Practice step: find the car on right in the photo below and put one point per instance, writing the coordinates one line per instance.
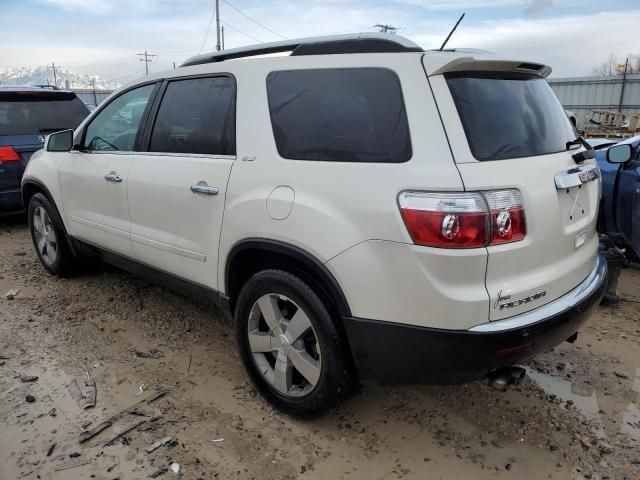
(619, 216)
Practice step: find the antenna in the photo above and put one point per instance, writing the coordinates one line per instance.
(451, 32)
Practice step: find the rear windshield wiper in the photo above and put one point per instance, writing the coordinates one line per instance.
(586, 154)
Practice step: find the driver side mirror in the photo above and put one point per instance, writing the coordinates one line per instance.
(60, 141)
(619, 153)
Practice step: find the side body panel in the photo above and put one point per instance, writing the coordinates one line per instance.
(173, 228)
(95, 209)
(346, 214)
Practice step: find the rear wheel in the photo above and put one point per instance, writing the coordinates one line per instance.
(47, 234)
(289, 343)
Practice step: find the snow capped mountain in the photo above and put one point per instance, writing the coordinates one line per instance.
(44, 76)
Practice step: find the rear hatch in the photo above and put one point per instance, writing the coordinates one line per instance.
(508, 131)
(26, 117)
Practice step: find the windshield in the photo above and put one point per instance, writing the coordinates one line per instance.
(508, 115)
(36, 112)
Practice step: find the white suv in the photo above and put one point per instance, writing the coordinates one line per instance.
(364, 208)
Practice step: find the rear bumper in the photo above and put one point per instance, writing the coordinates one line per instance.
(11, 201)
(387, 352)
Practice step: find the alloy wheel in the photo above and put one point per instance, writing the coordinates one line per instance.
(45, 236)
(284, 345)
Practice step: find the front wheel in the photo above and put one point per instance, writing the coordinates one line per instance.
(289, 344)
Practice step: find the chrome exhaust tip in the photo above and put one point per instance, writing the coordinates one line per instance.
(504, 377)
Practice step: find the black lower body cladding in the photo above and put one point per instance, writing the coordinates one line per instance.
(396, 353)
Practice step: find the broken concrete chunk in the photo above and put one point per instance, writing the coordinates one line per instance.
(158, 472)
(11, 294)
(158, 444)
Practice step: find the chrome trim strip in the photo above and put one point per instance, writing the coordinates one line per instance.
(577, 176)
(558, 306)
(100, 226)
(168, 248)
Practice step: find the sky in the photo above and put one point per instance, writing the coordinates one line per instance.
(103, 37)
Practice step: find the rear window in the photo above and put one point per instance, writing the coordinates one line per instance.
(33, 112)
(339, 115)
(509, 115)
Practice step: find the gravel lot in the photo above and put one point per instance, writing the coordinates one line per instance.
(577, 415)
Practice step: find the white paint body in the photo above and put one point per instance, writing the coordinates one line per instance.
(344, 214)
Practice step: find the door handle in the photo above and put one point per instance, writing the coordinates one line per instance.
(112, 177)
(204, 189)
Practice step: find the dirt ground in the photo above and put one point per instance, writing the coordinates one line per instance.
(577, 415)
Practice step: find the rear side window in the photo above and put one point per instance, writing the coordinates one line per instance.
(34, 112)
(339, 115)
(509, 115)
(196, 116)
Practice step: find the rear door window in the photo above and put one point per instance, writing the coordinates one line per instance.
(115, 127)
(339, 115)
(196, 115)
(509, 115)
(39, 112)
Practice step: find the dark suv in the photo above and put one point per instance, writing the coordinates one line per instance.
(27, 115)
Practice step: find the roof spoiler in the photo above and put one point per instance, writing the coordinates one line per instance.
(474, 64)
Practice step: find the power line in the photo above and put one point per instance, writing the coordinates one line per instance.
(207, 32)
(254, 21)
(148, 58)
(243, 33)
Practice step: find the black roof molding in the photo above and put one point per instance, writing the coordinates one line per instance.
(333, 44)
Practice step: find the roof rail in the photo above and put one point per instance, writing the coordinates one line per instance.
(333, 44)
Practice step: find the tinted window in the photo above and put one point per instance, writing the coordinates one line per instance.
(34, 112)
(196, 116)
(116, 126)
(510, 116)
(340, 115)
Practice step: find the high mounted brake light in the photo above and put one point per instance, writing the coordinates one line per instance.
(463, 220)
(8, 154)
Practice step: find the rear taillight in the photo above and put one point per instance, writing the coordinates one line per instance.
(8, 154)
(463, 220)
(508, 222)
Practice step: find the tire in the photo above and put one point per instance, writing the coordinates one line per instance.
(297, 363)
(48, 236)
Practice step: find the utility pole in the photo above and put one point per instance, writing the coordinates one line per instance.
(222, 37)
(624, 80)
(147, 59)
(55, 77)
(95, 98)
(218, 25)
(386, 28)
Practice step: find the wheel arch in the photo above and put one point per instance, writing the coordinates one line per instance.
(252, 255)
(31, 186)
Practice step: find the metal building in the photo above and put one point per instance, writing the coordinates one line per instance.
(91, 96)
(583, 94)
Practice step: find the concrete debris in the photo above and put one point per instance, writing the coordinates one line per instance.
(87, 434)
(11, 294)
(158, 444)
